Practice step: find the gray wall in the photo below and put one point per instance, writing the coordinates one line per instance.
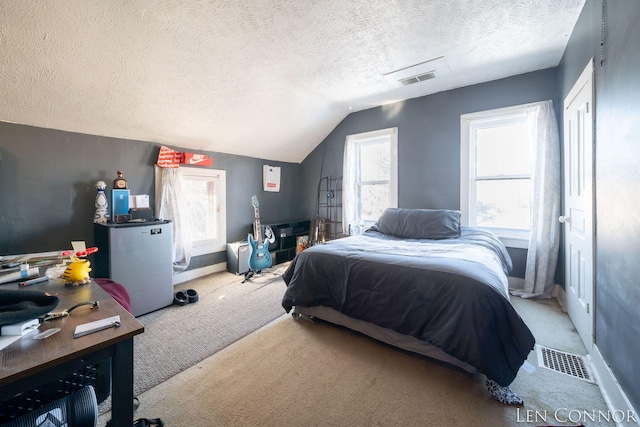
(617, 174)
(428, 141)
(47, 192)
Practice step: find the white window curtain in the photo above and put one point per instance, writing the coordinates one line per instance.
(169, 205)
(348, 185)
(542, 255)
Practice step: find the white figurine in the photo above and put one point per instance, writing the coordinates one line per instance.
(102, 214)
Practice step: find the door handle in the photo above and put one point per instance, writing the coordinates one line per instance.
(564, 219)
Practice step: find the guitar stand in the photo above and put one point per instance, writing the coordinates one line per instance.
(249, 274)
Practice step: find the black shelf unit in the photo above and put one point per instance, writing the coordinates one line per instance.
(286, 233)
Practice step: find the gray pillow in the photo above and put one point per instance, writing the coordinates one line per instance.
(419, 223)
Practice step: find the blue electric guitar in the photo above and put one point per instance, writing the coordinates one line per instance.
(260, 257)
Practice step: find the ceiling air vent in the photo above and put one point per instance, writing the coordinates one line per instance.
(417, 73)
(417, 79)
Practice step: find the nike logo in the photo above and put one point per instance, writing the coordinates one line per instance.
(197, 158)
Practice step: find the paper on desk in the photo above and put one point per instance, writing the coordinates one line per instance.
(80, 246)
(8, 340)
(139, 201)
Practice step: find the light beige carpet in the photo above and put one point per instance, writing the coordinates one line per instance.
(294, 373)
(178, 337)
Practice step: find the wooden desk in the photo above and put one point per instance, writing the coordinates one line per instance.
(28, 363)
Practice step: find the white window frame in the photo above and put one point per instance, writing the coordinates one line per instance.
(469, 123)
(356, 140)
(209, 246)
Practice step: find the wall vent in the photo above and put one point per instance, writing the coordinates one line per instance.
(419, 78)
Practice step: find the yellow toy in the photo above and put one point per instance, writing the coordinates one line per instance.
(77, 273)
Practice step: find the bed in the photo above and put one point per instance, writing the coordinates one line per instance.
(421, 282)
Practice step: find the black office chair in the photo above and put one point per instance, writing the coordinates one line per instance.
(79, 409)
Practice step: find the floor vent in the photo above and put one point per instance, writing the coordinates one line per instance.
(566, 363)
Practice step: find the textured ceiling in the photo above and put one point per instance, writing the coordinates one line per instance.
(262, 78)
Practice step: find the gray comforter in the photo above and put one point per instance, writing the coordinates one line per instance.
(451, 293)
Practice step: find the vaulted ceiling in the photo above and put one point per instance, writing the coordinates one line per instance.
(262, 78)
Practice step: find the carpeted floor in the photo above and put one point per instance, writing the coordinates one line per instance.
(178, 337)
(292, 372)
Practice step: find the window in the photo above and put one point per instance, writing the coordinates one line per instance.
(204, 190)
(370, 178)
(496, 173)
(205, 193)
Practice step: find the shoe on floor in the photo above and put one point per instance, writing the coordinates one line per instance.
(180, 298)
(192, 295)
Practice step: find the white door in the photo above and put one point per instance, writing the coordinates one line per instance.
(578, 214)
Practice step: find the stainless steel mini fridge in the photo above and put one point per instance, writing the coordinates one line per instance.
(139, 256)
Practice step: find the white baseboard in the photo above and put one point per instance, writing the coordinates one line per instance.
(561, 296)
(613, 394)
(185, 276)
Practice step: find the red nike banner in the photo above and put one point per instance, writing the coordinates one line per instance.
(196, 159)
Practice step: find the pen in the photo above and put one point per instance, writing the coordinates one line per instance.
(34, 281)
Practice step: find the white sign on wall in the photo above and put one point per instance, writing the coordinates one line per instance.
(271, 178)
